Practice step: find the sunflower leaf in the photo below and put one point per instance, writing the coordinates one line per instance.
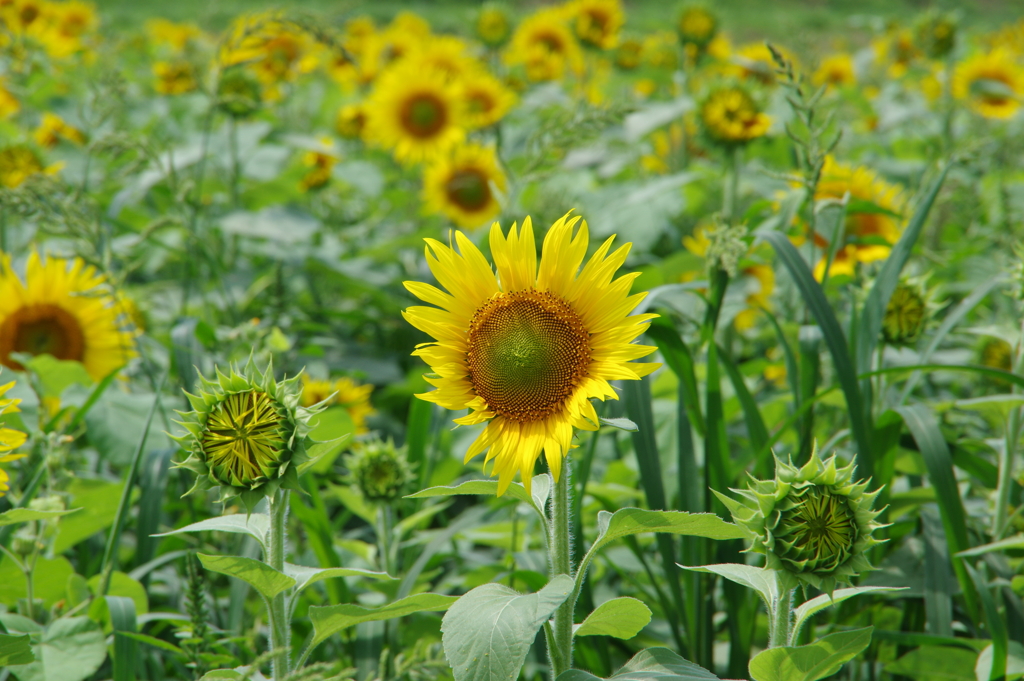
(330, 619)
(653, 664)
(265, 579)
(256, 525)
(619, 617)
(818, 660)
(620, 423)
(24, 515)
(627, 521)
(819, 603)
(762, 580)
(304, 576)
(15, 650)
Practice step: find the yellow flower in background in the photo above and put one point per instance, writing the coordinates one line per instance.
(276, 50)
(493, 25)
(9, 104)
(19, 162)
(447, 54)
(526, 348)
(320, 164)
(629, 54)
(730, 116)
(545, 46)
(696, 26)
(661, 50)
(174, 78)
(351, 120)
(53, 128)
(486, 98)
(754, 62)
(64, 309)
(898, 50)
(417, 115)
(991, 83)
(174, 35)
(870, 230)
(462, 185)
(345, 392)
(597, 22)
(836, 70)
(10, 439)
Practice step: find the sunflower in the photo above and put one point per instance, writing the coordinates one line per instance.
(462, 185)
(448, 54)
(351, 120)
(64, 309)
(416, 114)
(493, 25)
(836, 70)
(486, 98)
(545, 46)
(525, 350)
(899, 50)
(992, 84)
(755, 62)
(352, 396)
(174, 78)
(730, 116)
(53, 128)
(871, 227)
(19, 162)
(174, 35)
(697, 26)
(597, 22)
(9, 104)
(9, 439)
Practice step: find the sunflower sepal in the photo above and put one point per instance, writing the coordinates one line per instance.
(247, 435)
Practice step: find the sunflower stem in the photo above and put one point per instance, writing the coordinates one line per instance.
(279, 625)
(561, 564)
(782, 620)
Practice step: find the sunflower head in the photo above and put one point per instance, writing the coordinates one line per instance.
(835, 70)
(239, 93)
(696, 26)
(246, 434)
(380, 470)
(908, 313)
(937, 34)
(464, 185)
(629, 54)
(813, 524)
(493, 25)
(730, 116)
(992, 84)
(597, 22)
(18, 163)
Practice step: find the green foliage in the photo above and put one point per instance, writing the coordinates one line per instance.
(811, 662)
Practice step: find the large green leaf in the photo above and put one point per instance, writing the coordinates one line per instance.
(98, 500)
(653, 664)
(304, 576)
(15, 650)
(622, 617)
(627, 521)
(488, 631)
(255, 525)
(818, 660)
(817, 604)
(49, 580)
(330, 619)
(69, 649)
(24, 515)
(265, 579)
(762, 580)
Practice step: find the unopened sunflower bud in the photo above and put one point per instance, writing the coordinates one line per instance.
(246, 434)
(813, 524)
(379, 470)
(907, 314)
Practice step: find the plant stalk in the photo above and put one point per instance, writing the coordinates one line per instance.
(280, 628)
(782, 621)
(561, 564)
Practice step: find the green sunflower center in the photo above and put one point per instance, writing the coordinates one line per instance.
(468, 189)
(816, 531)
(528, 350)
(242, 440)
(41, 329)
(904, 316)
(424, 115)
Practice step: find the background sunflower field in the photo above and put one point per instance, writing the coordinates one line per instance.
(256, 327)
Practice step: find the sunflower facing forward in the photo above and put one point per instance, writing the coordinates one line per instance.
(524, 349)
(64, 309)
(462, 185)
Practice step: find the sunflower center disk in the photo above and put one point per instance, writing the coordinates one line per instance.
(41, 329)
(423, 115)
(468, 189)
(528, 350)
(242, 439)
(819, 530)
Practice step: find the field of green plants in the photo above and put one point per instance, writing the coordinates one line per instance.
(600, 340)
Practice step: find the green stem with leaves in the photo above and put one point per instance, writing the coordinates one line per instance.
(560, 548)
(279, 624)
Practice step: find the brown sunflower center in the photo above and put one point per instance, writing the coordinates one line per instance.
(528, 350)
(480, 102)
(424, 115)
(468, 189)
(41, 329)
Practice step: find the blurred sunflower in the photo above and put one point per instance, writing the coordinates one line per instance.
(461, 185)
(697, 26)
(629, 54)
(351, 120)
(597, 22)
(992, 83)
(174, 35)
(755, 62)
(545, 46)
(416, 114)
(63, 26)
(53, 128)
(730, 116)
(835, 70)
(493, 25)
(19, 162)
(64, 309)
(871, 227)
(174, 78)
(345, 392)
(447, 54)
(486, 98)
(898, 51)
(9, 104)
(320, 163)
(526, 349)
(10, 439)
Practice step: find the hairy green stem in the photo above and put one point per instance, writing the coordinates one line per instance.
(782, 621)
(280, 628)
(561, 564)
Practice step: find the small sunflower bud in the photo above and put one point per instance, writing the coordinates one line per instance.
(907, 314)
(247, 434)
(238, 93)
(379, 470)
(813, 524)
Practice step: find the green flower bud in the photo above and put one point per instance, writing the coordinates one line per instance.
(247, 434)
(907, 314)
(813, 524)
(379, 470)
(238, 93)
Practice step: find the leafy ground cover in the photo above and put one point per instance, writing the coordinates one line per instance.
(423, 341)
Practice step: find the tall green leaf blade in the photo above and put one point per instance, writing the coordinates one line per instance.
(122, 619)
(678, 358)
(756, 429)
(838, 347)
(488, 631)
(818, 660)
(265, 579)
(330, 619)
(994, 622)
